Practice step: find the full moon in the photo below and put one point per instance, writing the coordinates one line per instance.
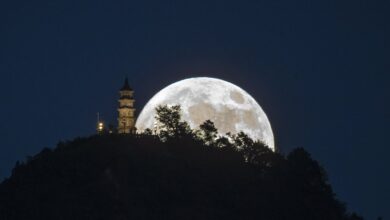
(203, 98)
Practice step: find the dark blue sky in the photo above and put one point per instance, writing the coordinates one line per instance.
(320, 70)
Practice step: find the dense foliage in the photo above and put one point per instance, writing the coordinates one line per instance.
(177, 174)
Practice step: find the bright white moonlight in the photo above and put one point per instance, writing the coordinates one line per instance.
(202, 98)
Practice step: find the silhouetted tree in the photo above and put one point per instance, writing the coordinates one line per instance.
(242, 140)
(223, 142)
(148, 131)
(310, 183)
(170, 124)
(258, 153)
(309, 171)
(208, 132)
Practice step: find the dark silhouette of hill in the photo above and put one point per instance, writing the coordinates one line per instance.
(140, 177)
(176, 175)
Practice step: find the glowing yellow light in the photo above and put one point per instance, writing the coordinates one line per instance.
(100, 126)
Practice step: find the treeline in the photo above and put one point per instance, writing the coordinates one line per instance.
(171, 173)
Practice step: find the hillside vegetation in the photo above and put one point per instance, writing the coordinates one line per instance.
(178, 174)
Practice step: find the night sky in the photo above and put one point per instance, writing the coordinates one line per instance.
(319, 69)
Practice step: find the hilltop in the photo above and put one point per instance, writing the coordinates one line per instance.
(179, 174)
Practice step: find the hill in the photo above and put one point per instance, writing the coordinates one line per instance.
(178, 174)
(142, 177)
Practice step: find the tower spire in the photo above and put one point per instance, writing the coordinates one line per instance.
(126, 85)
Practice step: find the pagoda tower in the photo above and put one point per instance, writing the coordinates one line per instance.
(126, 110)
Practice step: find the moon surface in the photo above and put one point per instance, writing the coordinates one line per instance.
(202, 98)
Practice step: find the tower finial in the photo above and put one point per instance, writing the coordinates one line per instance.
(126, 85)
